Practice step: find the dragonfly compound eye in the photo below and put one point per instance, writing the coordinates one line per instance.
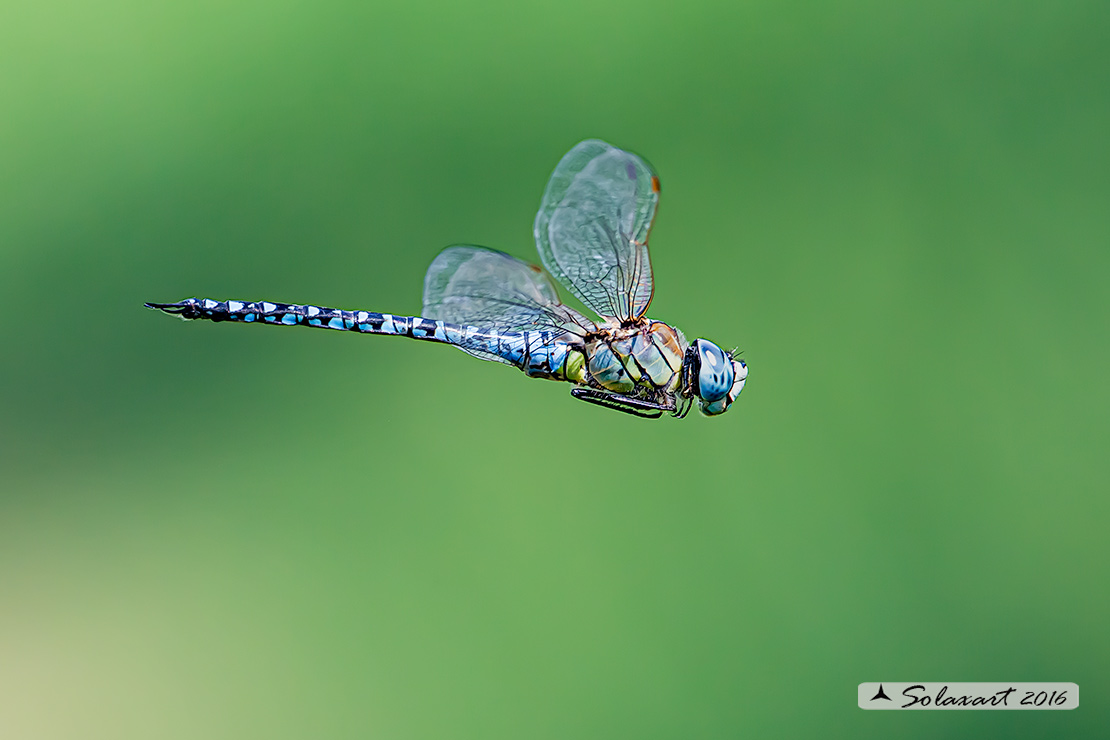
(716, 372)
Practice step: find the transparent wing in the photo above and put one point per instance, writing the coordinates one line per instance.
(593, 224)
(480, 287)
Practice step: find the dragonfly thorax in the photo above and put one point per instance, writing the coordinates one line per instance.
(647, 354)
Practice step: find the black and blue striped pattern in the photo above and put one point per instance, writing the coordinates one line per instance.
(540, 354)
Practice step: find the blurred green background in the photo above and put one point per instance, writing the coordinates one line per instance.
(899, 212)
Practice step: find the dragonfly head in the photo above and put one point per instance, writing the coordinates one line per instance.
(713, 376)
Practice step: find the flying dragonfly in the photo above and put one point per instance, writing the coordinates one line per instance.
(591, 232)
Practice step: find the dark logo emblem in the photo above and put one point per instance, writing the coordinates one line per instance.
(881, 695)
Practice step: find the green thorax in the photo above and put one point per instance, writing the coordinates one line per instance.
(647, 353)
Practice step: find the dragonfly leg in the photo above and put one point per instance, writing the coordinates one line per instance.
(635, 406)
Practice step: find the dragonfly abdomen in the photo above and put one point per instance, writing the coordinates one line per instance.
(540, 354)
(286, 314)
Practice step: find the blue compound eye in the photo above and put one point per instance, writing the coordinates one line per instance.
(715, 372)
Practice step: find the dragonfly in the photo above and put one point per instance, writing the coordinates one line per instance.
(592, 233)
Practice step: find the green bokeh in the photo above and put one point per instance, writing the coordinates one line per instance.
(899, 212)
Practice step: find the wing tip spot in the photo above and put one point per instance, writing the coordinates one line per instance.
(655, 184)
